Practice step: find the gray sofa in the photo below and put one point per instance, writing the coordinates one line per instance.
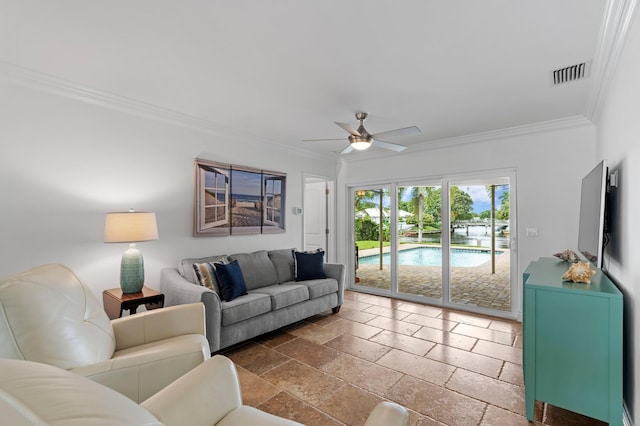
(273, 300)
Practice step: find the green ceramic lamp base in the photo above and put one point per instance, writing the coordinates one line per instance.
(132, 271)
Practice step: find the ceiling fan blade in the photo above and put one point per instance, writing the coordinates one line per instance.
(405, 131)
(322, 140)
(347, 150)
(388, 145)
(348, 128)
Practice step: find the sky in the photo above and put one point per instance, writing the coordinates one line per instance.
(246, 183)
(479, 195)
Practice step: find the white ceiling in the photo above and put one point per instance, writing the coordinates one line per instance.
(285, 70)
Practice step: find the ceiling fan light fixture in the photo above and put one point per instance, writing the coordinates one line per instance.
(360, 139)
(360, 143)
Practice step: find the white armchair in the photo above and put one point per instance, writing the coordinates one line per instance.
(49, 316)
(207, 395)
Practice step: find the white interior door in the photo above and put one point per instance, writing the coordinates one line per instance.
(316, 227)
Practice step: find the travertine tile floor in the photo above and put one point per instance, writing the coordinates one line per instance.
(447, 367)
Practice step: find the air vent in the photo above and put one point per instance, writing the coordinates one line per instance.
(570, 73)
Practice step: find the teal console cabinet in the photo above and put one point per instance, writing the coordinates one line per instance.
(572, 349)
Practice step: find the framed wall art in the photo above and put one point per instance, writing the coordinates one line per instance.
(237, 200)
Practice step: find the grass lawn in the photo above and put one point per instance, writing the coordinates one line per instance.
(368, 244)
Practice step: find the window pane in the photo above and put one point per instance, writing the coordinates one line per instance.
(372, 238)
(479, 253)
(420, 241)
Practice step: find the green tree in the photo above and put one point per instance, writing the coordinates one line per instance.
(424, 204)
(485, 214)
(433, 203)
(461, 205)
(366, 229)
(404, 205)
(431, 206)
(418, 194)
(503, 211)
(364, 200)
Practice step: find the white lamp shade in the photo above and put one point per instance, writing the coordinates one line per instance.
(130, 227)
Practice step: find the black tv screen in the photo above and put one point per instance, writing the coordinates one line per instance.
(592, 214)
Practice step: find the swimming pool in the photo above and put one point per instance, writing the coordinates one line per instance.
(432, 256)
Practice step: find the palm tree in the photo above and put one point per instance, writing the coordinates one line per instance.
(364, 200)
(416, 203)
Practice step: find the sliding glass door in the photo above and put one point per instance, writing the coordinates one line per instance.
(445, 242)
(479, 251)
(371, 229)
(419, 241)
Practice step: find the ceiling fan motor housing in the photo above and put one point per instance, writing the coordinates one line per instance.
(366, 136)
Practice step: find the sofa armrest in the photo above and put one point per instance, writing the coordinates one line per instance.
(179, 291)
(33, 393)
(336, 271)
(159, 324)
(190, 397)
(388, 414)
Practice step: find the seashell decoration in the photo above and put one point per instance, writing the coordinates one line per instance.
(567, 256)
(579, 273)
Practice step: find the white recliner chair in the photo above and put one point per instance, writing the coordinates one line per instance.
(32, 393)
(48, 315)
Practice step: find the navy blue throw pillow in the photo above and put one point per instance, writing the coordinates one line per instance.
(308, 266)
(230, 280)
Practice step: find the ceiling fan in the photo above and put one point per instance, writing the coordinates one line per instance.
(360, 139)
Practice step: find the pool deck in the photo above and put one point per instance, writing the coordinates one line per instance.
(475, 286)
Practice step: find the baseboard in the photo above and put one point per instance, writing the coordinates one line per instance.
(626, 417)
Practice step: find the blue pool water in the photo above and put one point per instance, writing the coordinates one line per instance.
(432, 256)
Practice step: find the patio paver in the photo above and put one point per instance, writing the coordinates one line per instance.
(475, 286)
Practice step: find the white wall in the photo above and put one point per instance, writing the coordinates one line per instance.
(618, 141)
(64, 163)
(549, 168)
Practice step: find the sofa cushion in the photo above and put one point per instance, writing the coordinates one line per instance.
(285, 294)
(185, 266)
(257, 268)
(319, 288)
(245, 307)
(205, 274)
(283, 261)
(230, 280)
(308, 266)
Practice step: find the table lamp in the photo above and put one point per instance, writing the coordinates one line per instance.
(130, 227)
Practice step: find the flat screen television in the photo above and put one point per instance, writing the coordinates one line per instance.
(591, 231)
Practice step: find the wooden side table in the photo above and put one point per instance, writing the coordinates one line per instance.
(115, 301)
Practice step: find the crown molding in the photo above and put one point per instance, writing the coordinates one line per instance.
(72, 90)
(75, 91)
(613, 32)
(488, 136)
(78, 92)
